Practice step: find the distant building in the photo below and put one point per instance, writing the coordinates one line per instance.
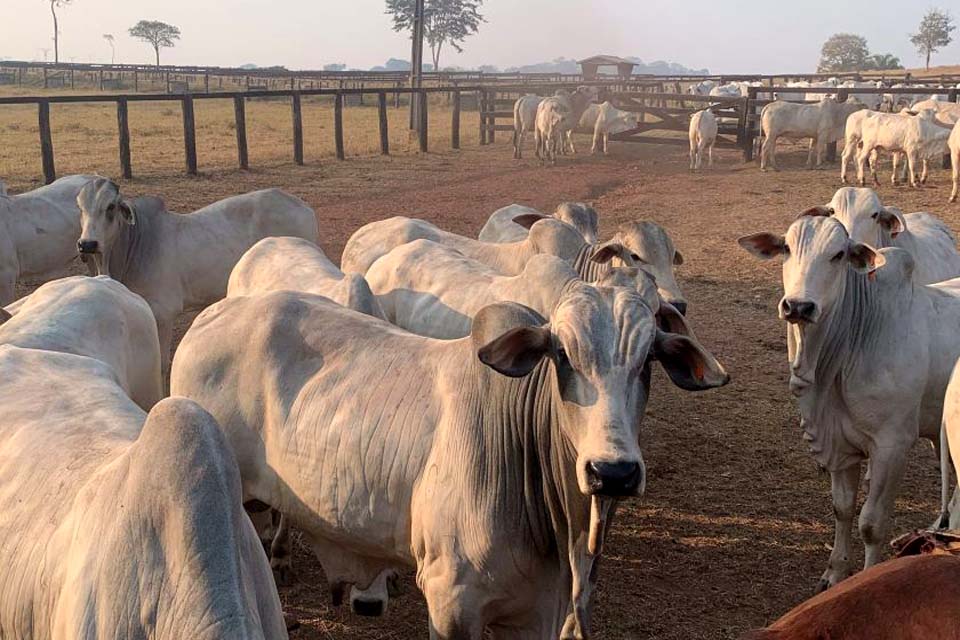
(590, 67)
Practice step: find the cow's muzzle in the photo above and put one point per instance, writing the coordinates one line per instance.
(798, 311)
(88, 246)
(614, 479)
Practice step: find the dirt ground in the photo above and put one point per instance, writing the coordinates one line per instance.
(736, 521)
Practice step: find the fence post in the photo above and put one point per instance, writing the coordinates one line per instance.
(482, 108)
(297, 130)
(384, 131)
(46, 141)
(100, 80)
(455, 125)
(842, 96)
(422, 114)
(749, 109)
(123, 127)
(206, 83)
(240, 118)
(189, 135)
(492, 118)
(136, 81)
(338, 125)
(396, 97)
(44, 77)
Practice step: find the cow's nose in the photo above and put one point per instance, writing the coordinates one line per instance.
(798, 311)
(87, 246)
(614, 479)
(680, 306)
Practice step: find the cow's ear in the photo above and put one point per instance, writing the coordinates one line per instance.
(672, 321)
(609, 250)
(4, 315)
(689, 365)
(516, 352)
(818, 211)
(527, 220)
(677, 258)
(863, 258)
(764, 245)
(892, 220)
(126, 210)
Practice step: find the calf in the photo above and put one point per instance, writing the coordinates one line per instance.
(953, 142)
(179, 262)
(859, 398)
(524, 120)
(610, 120)
(703, 135)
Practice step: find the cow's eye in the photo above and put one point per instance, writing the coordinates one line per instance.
(837, 258)
(636, 258)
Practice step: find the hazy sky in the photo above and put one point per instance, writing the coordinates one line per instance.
(746, 36)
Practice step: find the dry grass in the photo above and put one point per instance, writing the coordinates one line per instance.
(85, 135)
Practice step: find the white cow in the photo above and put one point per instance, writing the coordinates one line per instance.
(119, 524)
(38, 233)
(918, 137)
(96, 317)
(928, 239)
(179, 262)
(436, 291)
(501, 225)
(296, 264)
(478, 461)
(702, 88)
(953, 142)
(869, 369)
(853, 133)
(703, 136)
(548, 235)
(823, 122)
(607, 120)
(557, 117)
(947, 113)
(524, 120)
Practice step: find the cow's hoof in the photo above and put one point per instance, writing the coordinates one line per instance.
(368, 608)
(953, 199)
(822, 586)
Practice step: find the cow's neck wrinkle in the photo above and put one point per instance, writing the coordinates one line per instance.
(837, 350)
(588, 270)
(130, 249)
(517, 461)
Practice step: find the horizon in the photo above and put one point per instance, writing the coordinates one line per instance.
(363, 38)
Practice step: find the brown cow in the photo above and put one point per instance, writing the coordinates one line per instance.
(913, 598)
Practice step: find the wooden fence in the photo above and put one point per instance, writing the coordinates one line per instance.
(668, 112)
(186, 102)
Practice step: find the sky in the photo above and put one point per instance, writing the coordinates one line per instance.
(736, 36)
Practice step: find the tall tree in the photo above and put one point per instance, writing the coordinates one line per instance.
(883, 62)
(934, 33)
(160, 35)
(54, 5)
(113, 49)
(843, 52)
(445, 22)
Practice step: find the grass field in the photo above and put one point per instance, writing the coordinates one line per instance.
(85, 136)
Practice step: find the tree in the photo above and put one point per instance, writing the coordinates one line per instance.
(883, 62)
(160, 35)
(113, 50)
(444, 22)
(54, 4)
(934, 33)
(335, 67)
(843, 52)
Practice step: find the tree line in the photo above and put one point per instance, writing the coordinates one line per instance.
(849, 52)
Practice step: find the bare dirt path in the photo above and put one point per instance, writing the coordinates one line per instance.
(734, 527)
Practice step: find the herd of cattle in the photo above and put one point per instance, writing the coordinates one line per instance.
(467, 407)
(914, 129)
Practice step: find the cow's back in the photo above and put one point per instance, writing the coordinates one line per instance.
(914, 598)
(333, 377)
(500, 226)
(376, 239)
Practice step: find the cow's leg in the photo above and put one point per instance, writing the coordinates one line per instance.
(912, 161)
(572, 147)
(710, 151)
(926, 171)
(766, 153)
(946, 473)
(886, 471)
(606, 144)
(862, 158)
(955, 172)
(843, 488)
(518, 144)
(848, 152)
(8, 288)
(165, 333)
(280, 551)
(693, 154)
